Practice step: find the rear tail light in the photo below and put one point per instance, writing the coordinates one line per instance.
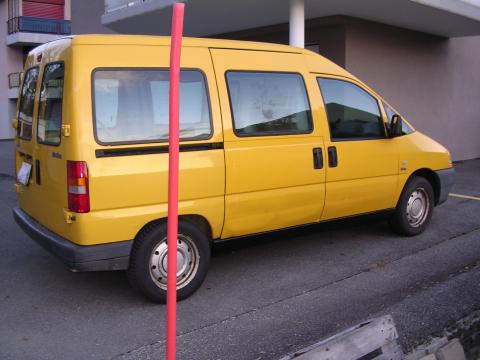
(77, 187)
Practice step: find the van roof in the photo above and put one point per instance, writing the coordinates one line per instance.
(186, 41)
(315, 62)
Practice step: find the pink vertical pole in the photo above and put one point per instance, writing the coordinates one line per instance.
(172, 232)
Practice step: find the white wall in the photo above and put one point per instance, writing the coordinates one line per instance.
(464, 113)
(11, 60)
(5, 131)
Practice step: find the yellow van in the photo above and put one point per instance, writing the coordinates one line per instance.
(271, 137)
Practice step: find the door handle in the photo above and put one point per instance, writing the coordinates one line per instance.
(38, 178)
(332, 156)
(317, 158)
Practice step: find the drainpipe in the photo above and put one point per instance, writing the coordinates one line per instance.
(297, 23)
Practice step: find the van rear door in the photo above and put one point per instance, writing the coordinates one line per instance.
(40, 144)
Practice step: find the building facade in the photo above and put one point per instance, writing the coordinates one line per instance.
(26, 24)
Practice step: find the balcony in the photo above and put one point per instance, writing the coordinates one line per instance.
(14, 81)
(25, 30)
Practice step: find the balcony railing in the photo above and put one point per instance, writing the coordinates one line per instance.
(113, 5)
(14, 80)
(38, 25)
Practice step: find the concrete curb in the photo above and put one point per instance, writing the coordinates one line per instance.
(439, 349)
(377, 340)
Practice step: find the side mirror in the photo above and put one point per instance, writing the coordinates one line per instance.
(395, 126)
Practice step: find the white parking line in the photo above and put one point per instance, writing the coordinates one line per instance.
(465, 196)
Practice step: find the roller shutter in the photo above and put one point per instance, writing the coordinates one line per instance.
(50, 9)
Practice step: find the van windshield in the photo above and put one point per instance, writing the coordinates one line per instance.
(131, 106)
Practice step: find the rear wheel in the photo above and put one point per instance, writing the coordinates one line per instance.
(148, 261)
(414, 208)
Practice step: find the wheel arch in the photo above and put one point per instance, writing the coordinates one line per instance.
(198, 220)
(432, 177)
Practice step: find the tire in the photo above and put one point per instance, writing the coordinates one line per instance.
(415, 207)
(147, 269)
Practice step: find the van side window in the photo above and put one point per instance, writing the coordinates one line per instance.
(131, 106)
(27, 101)
(406, 129)
(49, 123)
(353, 113)
(266, 103)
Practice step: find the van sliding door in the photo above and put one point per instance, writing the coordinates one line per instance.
(274, 152)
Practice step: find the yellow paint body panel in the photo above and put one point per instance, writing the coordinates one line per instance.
(252, 185)
(365, 179)
(417, 151)
(271, 184)
(126, 193)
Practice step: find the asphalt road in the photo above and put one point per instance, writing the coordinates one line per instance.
(263, 297)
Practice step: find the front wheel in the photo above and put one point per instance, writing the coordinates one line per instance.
(148, 261)
(415, 207)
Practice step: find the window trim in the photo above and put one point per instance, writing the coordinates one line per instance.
(38, 105)
(134, 142)
(22, 98)
(310, 117)
(332, 139)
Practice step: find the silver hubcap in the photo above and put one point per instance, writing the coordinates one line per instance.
(187, 262)
(418, 207)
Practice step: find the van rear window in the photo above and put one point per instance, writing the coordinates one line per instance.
(131, 106)
(49, 123)
(27, 102)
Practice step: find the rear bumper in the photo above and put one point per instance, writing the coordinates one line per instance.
(446, 179)
(112, 256)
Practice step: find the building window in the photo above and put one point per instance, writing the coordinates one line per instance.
(352, 112)
(49, 123)
(27, 102)
(131, 106)
(266, 103)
